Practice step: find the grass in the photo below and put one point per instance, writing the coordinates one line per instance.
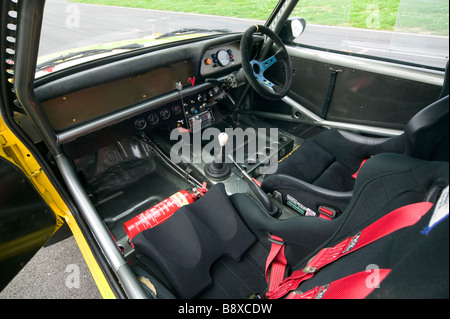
(366, 14)
(415, 16)
(249, 9)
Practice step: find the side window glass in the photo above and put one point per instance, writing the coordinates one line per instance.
(411, 31)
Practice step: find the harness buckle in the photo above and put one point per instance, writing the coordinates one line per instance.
(310, 269)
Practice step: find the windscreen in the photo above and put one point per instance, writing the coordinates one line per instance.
(74, 32)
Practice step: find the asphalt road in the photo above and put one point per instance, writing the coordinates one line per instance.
(74, 25)
(57, 271)
(47, 275)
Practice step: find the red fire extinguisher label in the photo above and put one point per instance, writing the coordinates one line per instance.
(157, 214)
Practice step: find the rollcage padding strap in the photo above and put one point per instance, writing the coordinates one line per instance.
(188, 243)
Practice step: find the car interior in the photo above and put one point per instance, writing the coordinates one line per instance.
(108, 131)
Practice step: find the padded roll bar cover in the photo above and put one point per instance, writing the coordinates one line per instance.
(188, 243)
(427, 132)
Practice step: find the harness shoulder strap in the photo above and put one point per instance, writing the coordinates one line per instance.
(400, 218)
(356, 286)
(276, 263)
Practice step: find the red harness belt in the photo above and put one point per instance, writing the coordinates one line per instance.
(351, 287)
(276, 262)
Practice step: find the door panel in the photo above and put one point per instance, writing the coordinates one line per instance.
(368, 98)
(343, 88)
(26, 222)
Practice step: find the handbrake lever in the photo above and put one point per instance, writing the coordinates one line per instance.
(262, 197)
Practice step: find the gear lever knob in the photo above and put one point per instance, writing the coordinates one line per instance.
(218, 170)
(223, 139)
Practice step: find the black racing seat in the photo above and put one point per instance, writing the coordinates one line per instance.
(386, 182)
(330, 160)
(217, 246)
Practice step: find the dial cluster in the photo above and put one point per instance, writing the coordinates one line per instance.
(165, 114)
(178, 113)
(218, 58)
(222, 57)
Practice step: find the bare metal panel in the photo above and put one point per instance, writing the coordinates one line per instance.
(78, 107)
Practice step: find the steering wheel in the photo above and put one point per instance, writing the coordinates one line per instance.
(254, 69)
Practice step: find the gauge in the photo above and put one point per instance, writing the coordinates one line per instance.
(153, 119)
(140, 124)
(223, 57)
(165, 113)
(176, 109)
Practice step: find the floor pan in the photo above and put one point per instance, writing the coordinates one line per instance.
(126, 178)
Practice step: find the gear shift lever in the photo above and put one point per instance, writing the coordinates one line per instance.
(217, 170)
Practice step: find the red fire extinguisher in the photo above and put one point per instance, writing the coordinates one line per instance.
(158, 213)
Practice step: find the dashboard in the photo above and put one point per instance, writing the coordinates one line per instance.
(199, 108)
(86, 104)
(92, 99)
(163, 89)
